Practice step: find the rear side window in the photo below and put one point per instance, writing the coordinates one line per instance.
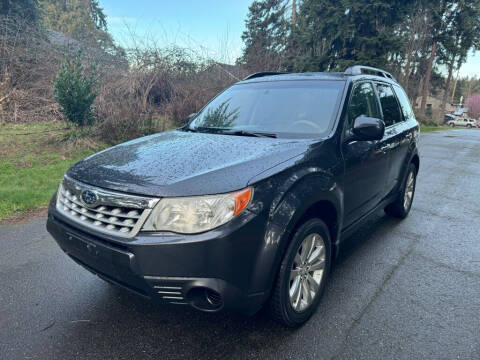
(391, 111)
(363, 102)
(404, 103)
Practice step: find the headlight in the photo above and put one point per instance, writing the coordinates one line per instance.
(189, 215)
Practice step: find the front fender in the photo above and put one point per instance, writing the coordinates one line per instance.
(412, 154)
(293, 196)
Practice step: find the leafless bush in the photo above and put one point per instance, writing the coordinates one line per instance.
(158, 91)
(27, 65)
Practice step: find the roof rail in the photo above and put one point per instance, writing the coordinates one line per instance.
(263, 73)
(360, 69)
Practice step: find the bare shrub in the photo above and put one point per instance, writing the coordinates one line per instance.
(158, 91)
(28, 63)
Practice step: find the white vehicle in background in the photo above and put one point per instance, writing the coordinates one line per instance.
(469, 123)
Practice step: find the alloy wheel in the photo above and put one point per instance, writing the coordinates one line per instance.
(307, 272)
(409, 189)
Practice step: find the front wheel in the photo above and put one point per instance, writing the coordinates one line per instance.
(303, 273)
(401, 206)
(452, 125)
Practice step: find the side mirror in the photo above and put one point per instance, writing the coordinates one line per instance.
(191, 116)
(368, 129)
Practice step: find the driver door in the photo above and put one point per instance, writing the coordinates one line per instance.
(366, 162)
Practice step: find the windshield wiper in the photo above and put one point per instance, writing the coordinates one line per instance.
(247, 133)
(213, 130)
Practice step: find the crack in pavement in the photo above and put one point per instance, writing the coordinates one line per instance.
(447, 266)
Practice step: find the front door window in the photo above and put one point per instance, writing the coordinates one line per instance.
(363, 102)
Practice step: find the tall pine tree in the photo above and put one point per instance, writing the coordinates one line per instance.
(26, 10)
(334, 34)
(265, 36)
(83, 20)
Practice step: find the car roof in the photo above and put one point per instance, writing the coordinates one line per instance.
(332, 76)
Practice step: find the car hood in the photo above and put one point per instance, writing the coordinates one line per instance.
(179, 163)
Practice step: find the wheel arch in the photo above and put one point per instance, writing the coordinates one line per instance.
(315, 195)
(325, 203)
(325, 211)
(416, 161)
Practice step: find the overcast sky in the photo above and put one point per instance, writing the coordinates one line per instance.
(213, 28)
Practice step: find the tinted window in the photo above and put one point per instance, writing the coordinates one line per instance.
(280, 107)
(363, 102)
(404, 103)
(391, 111)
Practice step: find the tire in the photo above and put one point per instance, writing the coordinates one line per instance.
(469, 126)
(282, 306)
(400, 208)
(452, 125)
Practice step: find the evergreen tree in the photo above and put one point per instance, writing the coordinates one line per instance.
(75, 90)
(83, 20)
(334, 34)
(409, 62)
(26, 10)
(266, 34)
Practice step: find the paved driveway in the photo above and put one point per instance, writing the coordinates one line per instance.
(401, 290)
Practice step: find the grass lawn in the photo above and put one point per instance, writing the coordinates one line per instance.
(32, 164)
(427, 129)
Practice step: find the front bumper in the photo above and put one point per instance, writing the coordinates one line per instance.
(173, 268)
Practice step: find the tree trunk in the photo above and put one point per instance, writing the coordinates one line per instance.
(447, 84)
(455, 87)
(426, 84)
(294, 11)
(406, 79)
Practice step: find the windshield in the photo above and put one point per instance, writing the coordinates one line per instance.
(288, 108)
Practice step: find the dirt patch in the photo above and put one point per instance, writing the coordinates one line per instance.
(25, 216)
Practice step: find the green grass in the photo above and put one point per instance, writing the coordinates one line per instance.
(33, 159)
(427, 129)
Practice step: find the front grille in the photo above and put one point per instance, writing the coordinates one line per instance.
(112, 218)
(112, 213)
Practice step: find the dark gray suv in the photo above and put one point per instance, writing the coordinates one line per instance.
(248, 204)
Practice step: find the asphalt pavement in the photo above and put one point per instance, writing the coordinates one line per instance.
(401, 289)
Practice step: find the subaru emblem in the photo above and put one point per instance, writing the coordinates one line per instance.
(88, 197)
